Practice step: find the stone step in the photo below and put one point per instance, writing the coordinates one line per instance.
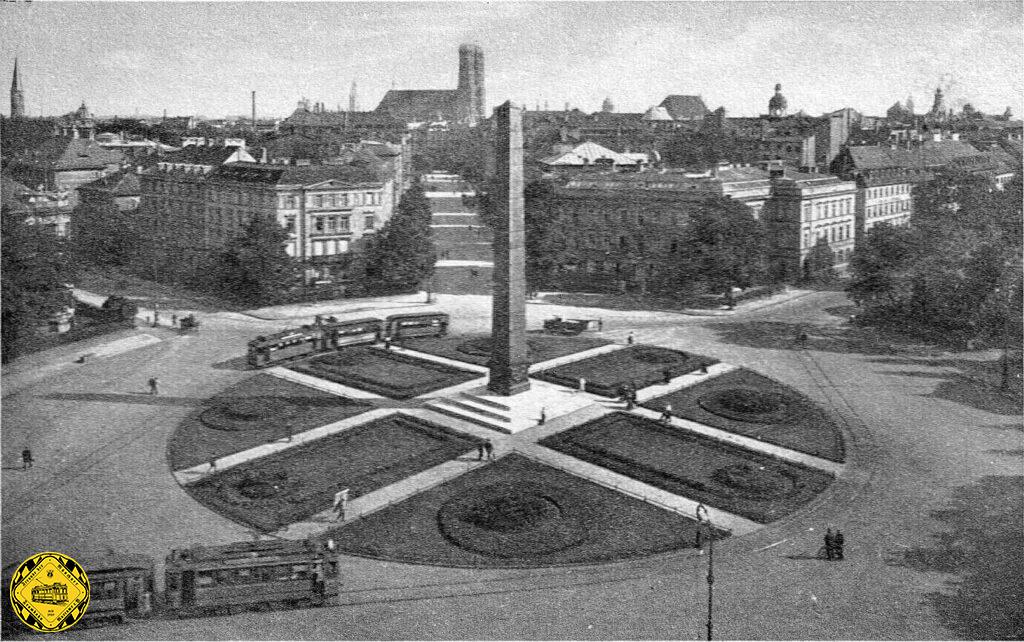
(486, 402)
(468, 404)
(446, 408)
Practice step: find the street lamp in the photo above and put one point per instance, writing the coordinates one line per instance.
(704, 522)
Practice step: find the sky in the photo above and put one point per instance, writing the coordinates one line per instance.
(204, 58)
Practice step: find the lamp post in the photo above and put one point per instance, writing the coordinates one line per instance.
(711, 575)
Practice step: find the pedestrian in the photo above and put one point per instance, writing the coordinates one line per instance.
(830, 545)
(839, 540)
(153, 386)
(666, 414)
(543, 416)
(701, 513)
(387, 343)
(630, 398)
(667, 375)
(703, 368)
(629, 339)
(489, 448)
(340, 504)
(600, 325)
(479, 450)
(213, 464)
(26, 459)
(583, 384)
(156, 319)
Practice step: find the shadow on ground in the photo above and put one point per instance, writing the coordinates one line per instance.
(235, 363)
(984, 547)
(129, 397)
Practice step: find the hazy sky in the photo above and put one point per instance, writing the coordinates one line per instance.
(205, 58)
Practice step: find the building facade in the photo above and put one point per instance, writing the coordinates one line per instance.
(192, 214)
(804, 208)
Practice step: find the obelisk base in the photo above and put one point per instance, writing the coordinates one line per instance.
(508, 380)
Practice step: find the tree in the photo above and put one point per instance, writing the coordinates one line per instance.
(401, 256)
(547, 244)
(819, 264)
(880, 265)
(35, 269)
(723, 248)
(256, 269)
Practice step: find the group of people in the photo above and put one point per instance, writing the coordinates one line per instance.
(627, 394)
(833, 545)
(484, 448)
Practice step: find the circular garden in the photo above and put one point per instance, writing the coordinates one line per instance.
(749, 404)
(247, 413)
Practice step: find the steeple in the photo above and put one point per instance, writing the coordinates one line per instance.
(17, 94)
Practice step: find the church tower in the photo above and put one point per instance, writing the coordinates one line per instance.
(17, 94)
(777, 105)
(471, 105)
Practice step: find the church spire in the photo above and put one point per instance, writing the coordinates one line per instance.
(17, 94)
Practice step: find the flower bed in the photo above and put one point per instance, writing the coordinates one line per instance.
(252, 412)
(748, 483)
(730, 402)
(476, 348)
(387, 373)
(639, 366)
(516, 513)
(293, 484)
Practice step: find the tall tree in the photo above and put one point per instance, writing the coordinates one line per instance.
(722, 248)
(547, 243)
(401, 256)
(256, 269)
(819, 264)
(35, 268)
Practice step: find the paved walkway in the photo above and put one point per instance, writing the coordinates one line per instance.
(747, 442)
(321, 384)
(193, 474)
(575, 356)
(426, 356)
(734, 523)
(682, 381)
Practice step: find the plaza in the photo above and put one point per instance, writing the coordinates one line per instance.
(90, 424)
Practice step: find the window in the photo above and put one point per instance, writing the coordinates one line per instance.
(330, 223)
(344, 223)
(318, 201)
(369, 222)
(318, 224)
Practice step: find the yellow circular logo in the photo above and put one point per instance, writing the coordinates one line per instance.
(50, 592)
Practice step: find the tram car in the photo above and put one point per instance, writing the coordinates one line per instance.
(121, 588)
(251, 575)
(284, 346)
(337, 334)
(403, 326)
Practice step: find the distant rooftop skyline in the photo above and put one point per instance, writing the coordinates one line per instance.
(204, 58)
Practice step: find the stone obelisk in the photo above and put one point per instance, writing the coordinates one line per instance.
(509, 364)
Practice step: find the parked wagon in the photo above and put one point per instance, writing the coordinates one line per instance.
(570, 327)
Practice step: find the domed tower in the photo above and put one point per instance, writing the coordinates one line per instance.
(777, 105)
(939, 106)
(608, 106)
(470, 97)
(17, 94)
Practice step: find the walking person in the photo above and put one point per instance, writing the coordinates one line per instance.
(174, 320)
(839, 540)
(666, 414)
(340, 504)
(583, 384)
(489, 448)
(703, 368)
(629, 339)
(154, 388)
(600, 325)
(666, 375)
(387, 343)
(830, 545)
(543, 416)
(26, 459)
(479, 450)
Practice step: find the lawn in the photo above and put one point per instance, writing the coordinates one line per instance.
(253, 412)
(751, 484)
(799, 425)
(516, 513)
(639, 366)
(476, 348)
(387, 373)
(294, 484)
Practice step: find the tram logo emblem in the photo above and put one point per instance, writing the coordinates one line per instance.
(49, 592)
